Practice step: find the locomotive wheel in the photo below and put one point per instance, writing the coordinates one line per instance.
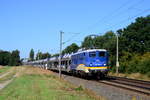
(100, 76)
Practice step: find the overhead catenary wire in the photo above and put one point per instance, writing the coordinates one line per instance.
(117, 12)
(144, 11)
(114, 12)
(74, 34)
(110, 14)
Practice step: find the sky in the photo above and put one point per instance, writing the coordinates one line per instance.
(26, 24)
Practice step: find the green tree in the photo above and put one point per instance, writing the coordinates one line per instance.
(55, 55)
(41, 55)
(72, 48)
(4, 57)
(136, 37)
(47, 55)
(88, 42)
(38, 55)
(15, 58)
(31, 56)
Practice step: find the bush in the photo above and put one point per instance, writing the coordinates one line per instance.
(144, 64)
(122, 69)
(148, 74)
(137, 64)
(80, 88)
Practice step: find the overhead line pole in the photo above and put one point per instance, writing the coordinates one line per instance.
(60, 53)
(117, 62)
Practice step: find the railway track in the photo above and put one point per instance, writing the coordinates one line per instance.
(139, 86)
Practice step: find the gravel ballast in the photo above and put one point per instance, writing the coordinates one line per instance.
(106, 91)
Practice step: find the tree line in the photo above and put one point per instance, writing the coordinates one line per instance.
(38, 56)
(10, 58)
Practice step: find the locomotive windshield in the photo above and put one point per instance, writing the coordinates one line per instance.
(92, 54)
(102, 54)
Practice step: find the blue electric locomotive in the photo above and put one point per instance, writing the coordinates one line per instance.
(93, 61)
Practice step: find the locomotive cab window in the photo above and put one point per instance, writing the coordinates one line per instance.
(84, 53)
(102, 54)
(92, 54)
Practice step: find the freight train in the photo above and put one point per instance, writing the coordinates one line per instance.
(91, 62)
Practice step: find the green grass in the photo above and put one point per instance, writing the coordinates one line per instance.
(42, 87)
(4, 69)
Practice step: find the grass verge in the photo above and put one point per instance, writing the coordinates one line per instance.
(37, 84)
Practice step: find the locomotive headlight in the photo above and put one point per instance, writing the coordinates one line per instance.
(91, 64)
(104, 64)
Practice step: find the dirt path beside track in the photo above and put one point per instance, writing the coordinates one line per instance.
(5, 83)
(2, 85)
(1, 66)
(5, 74)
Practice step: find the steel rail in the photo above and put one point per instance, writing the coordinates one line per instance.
(126, 88)
(130, 80)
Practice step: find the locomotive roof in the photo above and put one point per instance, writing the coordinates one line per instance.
(89, 50)
(67, 56)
